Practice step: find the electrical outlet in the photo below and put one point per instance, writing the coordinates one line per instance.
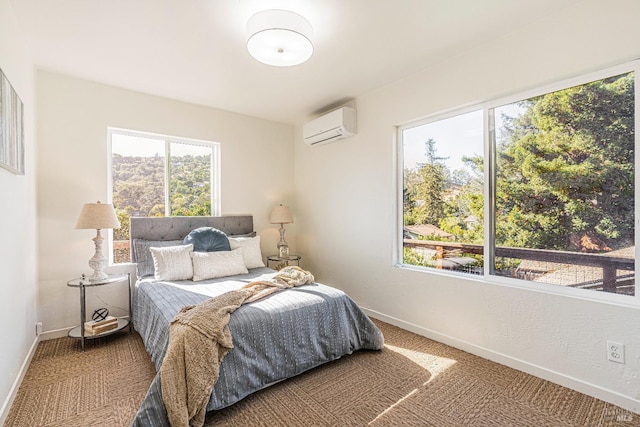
(38, 328)
(615, 351)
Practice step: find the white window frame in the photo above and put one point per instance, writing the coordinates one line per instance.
(489, 188)
(215, 174)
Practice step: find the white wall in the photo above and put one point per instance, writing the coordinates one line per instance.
(73, 116)
(18, 245)
(345, 200)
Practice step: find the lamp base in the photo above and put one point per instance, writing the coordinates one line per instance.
(283, 251)
(283, 248)
(98, 276)
(98, 262)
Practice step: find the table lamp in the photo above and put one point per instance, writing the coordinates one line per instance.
(98, 216)
(281, 215)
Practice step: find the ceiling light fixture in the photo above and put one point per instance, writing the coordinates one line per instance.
(279, 37)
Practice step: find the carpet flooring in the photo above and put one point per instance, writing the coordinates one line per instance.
(413, 381)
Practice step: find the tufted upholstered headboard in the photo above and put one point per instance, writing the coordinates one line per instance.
(177, 227)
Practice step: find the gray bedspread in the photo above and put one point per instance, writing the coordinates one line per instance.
(274, 338)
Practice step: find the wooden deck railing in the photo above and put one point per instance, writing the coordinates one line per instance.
(609, 264)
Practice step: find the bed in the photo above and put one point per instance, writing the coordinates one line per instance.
(275, 338)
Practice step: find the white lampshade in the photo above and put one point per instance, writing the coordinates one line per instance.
(97, 216)
(281, 215)
(279, 37)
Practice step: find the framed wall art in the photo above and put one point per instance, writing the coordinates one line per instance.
(11, 128)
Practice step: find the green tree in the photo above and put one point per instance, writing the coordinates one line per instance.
(465, 202)
(565, 168)
(190, 185)
(430, 190)
(411, 180)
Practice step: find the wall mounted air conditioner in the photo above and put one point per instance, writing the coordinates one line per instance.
(338, 124)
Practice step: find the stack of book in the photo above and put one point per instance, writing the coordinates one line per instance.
(98, 327)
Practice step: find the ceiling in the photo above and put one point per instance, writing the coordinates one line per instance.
(194, 50)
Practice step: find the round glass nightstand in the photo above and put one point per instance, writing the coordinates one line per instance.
(83, 283)
(282, 261)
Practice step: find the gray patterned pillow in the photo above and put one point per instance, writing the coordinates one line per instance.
(143, 254)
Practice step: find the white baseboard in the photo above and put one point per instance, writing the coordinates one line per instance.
(6, 405)
(581, 386)
(56, 333)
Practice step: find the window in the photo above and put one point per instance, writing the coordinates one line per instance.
(557, 173)
(443, 201)
(156, 175)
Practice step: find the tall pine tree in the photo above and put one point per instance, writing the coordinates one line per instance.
(565, 169)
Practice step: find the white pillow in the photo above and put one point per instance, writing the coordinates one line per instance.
(250, 250)
(172, 262)
(209, 265)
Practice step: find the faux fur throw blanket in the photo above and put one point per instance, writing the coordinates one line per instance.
(199, 338)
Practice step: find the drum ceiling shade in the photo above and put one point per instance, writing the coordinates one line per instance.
(279, 37)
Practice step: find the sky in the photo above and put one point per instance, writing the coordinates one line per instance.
(455, 137)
